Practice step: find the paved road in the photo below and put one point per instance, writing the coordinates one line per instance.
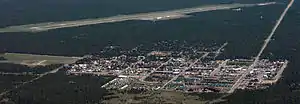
(30, 81)
(262, 48)
(174, 78)
(203, 56)
(279, 73)
(219, 68)
(152, 71)
(257, 58)
(220, 49)
(4, 73)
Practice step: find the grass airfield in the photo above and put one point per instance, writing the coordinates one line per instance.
(36, 60)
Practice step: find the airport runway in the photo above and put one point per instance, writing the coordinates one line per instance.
(152, 16)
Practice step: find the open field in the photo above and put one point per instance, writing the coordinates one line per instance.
(34, 60)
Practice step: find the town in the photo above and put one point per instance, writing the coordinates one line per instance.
(178, 66)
